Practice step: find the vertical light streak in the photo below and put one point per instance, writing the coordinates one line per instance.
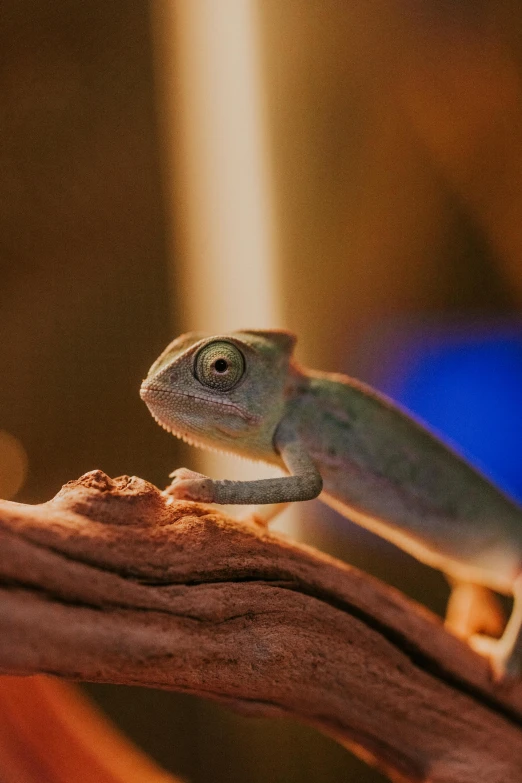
(220, 175)
(218, 150)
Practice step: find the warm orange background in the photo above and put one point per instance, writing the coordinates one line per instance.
(396, 136)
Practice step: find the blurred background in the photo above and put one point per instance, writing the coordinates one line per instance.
(351, 171)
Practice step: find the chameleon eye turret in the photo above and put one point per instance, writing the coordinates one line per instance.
(219, 365)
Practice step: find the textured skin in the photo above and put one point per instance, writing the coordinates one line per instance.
(373, 462)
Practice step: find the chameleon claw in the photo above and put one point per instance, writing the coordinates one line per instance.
(502, 664)
(189, 485)
(184, 474)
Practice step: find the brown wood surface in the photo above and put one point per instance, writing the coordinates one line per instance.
(109, 583)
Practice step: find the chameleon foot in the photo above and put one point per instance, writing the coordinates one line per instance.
(503, 663)
(189, 485)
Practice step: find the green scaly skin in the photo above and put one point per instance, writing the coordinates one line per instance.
(369, 459)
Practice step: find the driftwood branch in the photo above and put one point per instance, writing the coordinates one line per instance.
(109, 583)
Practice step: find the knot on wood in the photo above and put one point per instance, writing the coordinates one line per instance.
(125, 500)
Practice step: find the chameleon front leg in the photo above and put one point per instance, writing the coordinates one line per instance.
(304, 483)
(261, 514)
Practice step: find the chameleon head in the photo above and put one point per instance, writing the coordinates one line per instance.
(225, 392)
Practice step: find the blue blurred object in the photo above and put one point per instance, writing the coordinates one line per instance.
(468, 386)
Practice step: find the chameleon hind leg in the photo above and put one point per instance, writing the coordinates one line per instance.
(505, 654)
(473, 609)
(262, 515)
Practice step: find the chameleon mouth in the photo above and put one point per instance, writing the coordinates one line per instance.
(153, 395)
(186, 437)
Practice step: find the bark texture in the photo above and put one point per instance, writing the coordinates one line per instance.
(107, 582)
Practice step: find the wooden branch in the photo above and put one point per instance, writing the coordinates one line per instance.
(109, 583)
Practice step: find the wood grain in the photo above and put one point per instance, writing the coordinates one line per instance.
(107, 582)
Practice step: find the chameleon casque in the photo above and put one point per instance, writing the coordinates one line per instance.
(242, 392)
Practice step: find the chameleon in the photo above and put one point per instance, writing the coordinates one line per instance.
(366, 457)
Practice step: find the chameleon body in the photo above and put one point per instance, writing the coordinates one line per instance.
(243, 393)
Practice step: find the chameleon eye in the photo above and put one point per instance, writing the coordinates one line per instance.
(219, 365)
